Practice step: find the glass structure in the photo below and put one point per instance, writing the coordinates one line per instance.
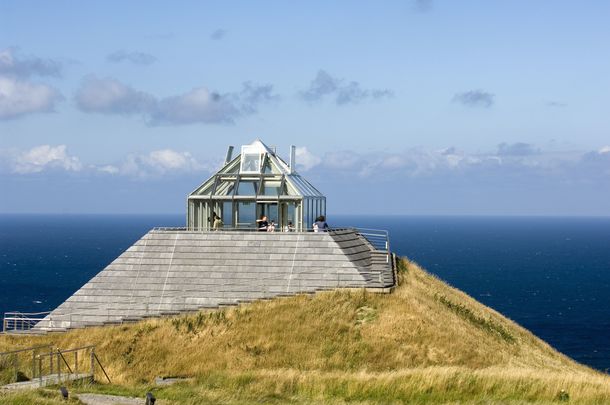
(256, 182)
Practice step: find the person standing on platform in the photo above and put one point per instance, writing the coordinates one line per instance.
(320, 225)
(262, 224)
(218, 224)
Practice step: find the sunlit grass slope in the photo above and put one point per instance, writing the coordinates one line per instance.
(424, 343)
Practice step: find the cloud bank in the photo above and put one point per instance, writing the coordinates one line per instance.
(511, 179)
(507, 159)
(44, 158)
(199, 105)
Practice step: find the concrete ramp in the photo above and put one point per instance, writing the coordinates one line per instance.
(171, 271)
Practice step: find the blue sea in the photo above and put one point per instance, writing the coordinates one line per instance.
(551, 275)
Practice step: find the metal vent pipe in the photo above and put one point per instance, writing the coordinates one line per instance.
(292, 158)
(229, 155)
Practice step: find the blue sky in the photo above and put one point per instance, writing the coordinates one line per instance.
(411, 107)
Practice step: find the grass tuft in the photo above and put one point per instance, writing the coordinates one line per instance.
(486, 324)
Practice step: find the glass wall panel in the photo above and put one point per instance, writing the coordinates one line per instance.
(270, 210)
(227, 213)
(289, 215)
(272, 213)
(307, 207)
(246, 214)
(196, 215)
(204, 215)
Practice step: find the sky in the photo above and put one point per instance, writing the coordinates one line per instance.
(414, 107)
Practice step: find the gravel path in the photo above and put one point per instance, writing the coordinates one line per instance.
(99, 399)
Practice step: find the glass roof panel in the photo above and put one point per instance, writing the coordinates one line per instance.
(205, 189)
(271, 188)
(269, 167)
(250, 163)
(247, 187)
(225, 187)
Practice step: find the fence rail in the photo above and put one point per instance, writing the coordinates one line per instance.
(58, 359)
(16, 358)
(378, 238)
(21, 321)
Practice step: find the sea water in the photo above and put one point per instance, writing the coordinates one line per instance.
(551, 275)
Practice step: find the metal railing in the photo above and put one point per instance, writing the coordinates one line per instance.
(70, 361)
(21, 321)
(378, 238)
(373, 233)
(17, 358)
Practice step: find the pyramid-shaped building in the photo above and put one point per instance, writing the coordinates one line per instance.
(256, 182)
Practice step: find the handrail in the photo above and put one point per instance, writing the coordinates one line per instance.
(60, 355)
(16, 362)
(26, 313)
(253, 228)
(74, 349)
(27, 349)
(102, 367)
(21, 321)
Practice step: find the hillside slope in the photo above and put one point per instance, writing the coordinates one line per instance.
(425, 343)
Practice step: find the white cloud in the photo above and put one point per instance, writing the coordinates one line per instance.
(603, 150)
(19, 97)
(12, 64)
(198, 105)
(168, 159)
(153, 164)
(45, 157)
(343, 92)
(109, 96)
(109, 169)
(305, 159)
(158, 162)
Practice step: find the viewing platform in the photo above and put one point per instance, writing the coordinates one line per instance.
(174, 270)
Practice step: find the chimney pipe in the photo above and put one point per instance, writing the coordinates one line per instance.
(229, 155)
(292, 158)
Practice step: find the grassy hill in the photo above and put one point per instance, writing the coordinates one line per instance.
(425, 343)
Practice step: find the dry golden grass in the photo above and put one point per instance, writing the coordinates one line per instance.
(425, 343)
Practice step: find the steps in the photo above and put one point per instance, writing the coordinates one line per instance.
(173, 271)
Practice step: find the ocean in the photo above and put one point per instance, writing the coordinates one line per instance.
(551, 275)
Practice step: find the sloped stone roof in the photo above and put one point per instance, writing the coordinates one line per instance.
(172, 271)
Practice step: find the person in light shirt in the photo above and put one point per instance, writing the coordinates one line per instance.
(320, 225)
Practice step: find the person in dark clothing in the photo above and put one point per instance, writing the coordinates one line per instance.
(262, 224)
